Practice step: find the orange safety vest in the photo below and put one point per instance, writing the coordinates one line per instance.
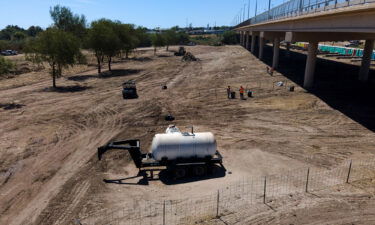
(242, 90)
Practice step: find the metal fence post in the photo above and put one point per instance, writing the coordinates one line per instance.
(350, 168)
(217, 204)
(307, 180)
(265, 189)
(164, 213)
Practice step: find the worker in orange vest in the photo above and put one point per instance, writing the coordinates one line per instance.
(242, 91)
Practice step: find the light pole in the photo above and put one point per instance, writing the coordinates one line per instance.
(256, 9)
(269, 8)
(248, 10)
(244, 11)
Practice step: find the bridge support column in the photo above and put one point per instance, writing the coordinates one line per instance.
(243, 39)
(288, 50)
(261, 47)
(253, 40)
(240, 37)
(247, 40)
(366, 60)
(276, 53)
(310, 65)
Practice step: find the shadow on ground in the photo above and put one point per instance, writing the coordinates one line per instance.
(166, 178)
(164, 56)
(141, 59)
(66, 89)
(10, 106)
(118, 73)
(82, 77)
(336, 84)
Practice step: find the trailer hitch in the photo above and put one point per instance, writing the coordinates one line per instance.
(133, 146)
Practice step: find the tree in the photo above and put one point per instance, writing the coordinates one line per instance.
(65, 20)
(19, 36)
(127, 36)
(104, 41)
(34, 30)
(8, 32)
(143, 37)
(170, 37)
(59, 48)
(157, 41)
(182, 38)
(4, 45)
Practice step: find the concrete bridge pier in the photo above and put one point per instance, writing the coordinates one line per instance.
(310, 64)
(261, 47)
(276, 53)
(366, 61)
(240, 37)
(287, 50)
(247, 40)
(243, 39)
(253, 42)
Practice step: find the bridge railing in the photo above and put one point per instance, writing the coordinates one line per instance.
(294, 8)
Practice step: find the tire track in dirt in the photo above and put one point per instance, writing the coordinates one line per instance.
(78, 194)
(82, 137)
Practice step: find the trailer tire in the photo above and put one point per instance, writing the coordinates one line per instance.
(179, 172)
(199, 170)
(214, 169)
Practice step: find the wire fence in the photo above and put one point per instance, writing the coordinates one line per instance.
(301, 7)
(246, 194)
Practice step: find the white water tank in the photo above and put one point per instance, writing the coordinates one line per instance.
(175, 144)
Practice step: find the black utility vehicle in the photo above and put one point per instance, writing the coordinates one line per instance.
(129, 90)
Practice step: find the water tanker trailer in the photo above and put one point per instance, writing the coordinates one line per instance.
(181, 153)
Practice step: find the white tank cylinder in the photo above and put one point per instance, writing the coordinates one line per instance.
(173, 145)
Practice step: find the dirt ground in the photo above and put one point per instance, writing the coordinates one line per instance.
(49, 171)
(343, 204)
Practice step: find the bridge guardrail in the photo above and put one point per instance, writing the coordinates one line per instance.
(294, 8)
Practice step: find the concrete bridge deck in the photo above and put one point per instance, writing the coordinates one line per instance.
(312, 23)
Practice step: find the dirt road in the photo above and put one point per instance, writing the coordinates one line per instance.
(49, 173)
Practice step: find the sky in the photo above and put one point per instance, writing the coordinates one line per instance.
(147, 13)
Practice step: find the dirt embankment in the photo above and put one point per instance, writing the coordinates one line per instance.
(49, 171)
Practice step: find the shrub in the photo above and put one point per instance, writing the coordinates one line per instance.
(5, 66)
(230, 38)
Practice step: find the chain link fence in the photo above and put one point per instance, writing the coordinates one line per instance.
(244, 194)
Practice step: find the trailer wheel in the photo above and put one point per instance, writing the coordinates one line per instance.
(199, 170)
(179, 172)
(214, 169)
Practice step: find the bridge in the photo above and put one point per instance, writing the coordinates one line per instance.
(312, 21)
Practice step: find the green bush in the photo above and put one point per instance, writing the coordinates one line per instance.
(206, 39)
(5, 66)
(230, 38)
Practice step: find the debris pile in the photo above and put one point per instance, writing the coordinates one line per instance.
(189, 57)
(169, 117)
(181, 52)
